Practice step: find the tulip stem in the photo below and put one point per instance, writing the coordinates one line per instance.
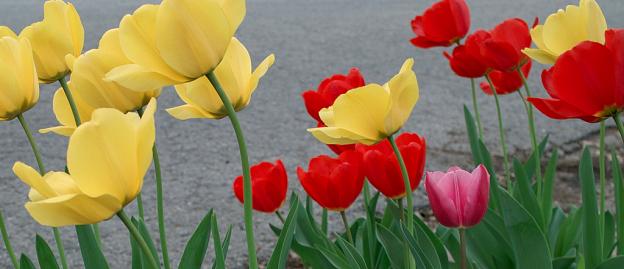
(462, 243)
(406, 182)
(139, 239)
(347, 229)
(70, 100)
(618, 123)
(601, 163)
(501, 132)
(401, 209)
(324, 221)
(159, 203)
(280, 217)
(247, 195)
(533, 133)
(140, 206)
(476, 108)
(42, 170)
(7, 242)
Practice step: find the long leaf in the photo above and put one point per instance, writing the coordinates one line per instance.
(219, 261)
(526, 195)
(335, 259)
(393, 246)
(528, 241)
(225, 245)
(494, 187)
(473, 137)
(619, 201)
(420, 258)
(26, 263)
(45, 256)
(282, 248)
(549, 183)
(613, 263)
(435, 241)
(353, 256)
(140, 224)
(195, 250)
(91, 253)
(592, 243)
(529, 165)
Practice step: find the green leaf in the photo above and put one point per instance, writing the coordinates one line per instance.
(613, 263)
(591, 230)
(473, 137)
(282, 248)
(195, 250)
(225, 245)
(488, 243)
(619, 201)
(436, 244)
(136, 254)
(420, 258)
(494, 187)
(549, 183)
(393, 246)
(335, 259)
(528, 241)
(351, 253)
(563, 262)
(370, 244)
(219, 260)
(45, 256)
(609, 235)
(26, 263)
(526, 196)
(569, 233)
(140, 224)
(529, 165)
(91, 253)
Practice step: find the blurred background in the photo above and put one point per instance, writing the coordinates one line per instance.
(311, 40)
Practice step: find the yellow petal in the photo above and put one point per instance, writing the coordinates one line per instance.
(138, 78)
(6, 31)
(187, 112)
(73, 209)
(257, 74)
(595, 20)
(404, 92)
(564, 29)
(192, 35)
(18, 78)
(64, 115)
(537, 34)
(234, 11)
(542, 56)
(137, 36)
(32, 178)
(338, 136)
(201, 94)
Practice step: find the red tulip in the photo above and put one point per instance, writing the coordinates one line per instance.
(382, 167)
(442, 24)
(269, 186)
(329, 89)
(506, 82)
(586, 82)
(458, 198)
(466, 60)
(503, 49)
(334, 183)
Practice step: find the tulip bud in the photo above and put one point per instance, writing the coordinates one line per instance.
(459, 199)
(269, 186)
(18, 78)
(334, 183)
(382, 167)
(59, 33)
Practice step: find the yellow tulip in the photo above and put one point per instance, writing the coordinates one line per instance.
(237, 79)
(107, 156)
(175, 42)
(6, 31)
(370, 113)
(567, 28)
(59, 33)
(18, 78)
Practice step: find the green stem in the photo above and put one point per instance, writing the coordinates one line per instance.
(533, 133)
(401, 209)
(476, 107)
(346, 225)
(7, 242)
(98, 236)
(247, 195)
(601, 162)
(42, 170)
(159, 203)
(324, 221)
(462, 243)
(406, 183)
(139, 239)
(70, 100)
(618, 123)
(501, 132)
(140, 206)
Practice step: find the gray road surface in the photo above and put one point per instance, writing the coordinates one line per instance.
(311, 40)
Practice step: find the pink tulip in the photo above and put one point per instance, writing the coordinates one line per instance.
(459, 199)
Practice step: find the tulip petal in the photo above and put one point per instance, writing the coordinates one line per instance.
(404, 92)
(234, 11)
(339, 136)
(595, 19)
(139, 78)
(257, 74)
(6, 31)
(563, 30)
(73, 209)
(558, 109)
(542, 56)
(362, 112)
(187, 112)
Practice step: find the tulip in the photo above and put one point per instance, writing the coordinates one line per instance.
(59, 33)
(269, 186)
(370, 113)
(459, 199)
(334, 183)
(382, 168)
(107, 156)
(63, 113)
(567, 28)
(442, 24)
(506, 82)
(18, 78)
(503, 49)
(585, 82)
(175, 42)
(327, 92)
(6, 31)
(466, 60)
(238, 81)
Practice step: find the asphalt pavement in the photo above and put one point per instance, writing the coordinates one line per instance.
(311, 40)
